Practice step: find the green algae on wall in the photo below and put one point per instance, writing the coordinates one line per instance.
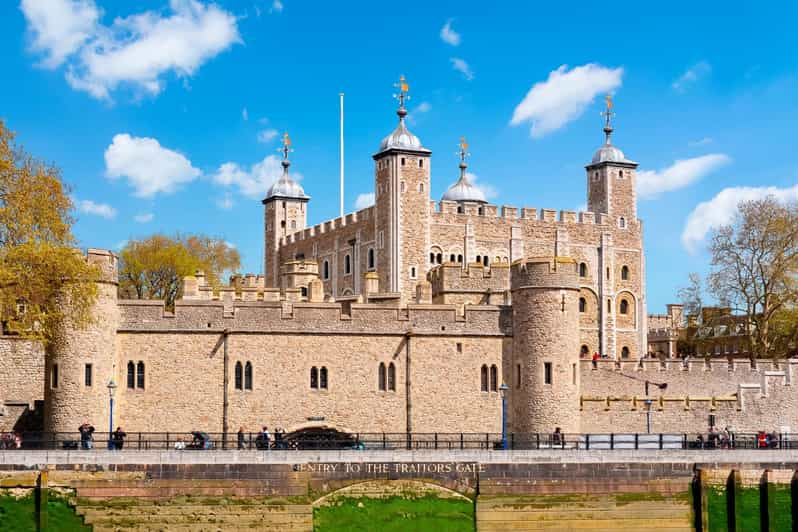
(19, 515)
(749, 508)
(395, 514)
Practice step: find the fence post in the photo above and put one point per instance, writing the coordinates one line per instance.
(139, 441)
(41, 501)
(512, 441)
(660, 441)
(487, 440)
(612, 441)
(587, 441)
(637, 442)
(167, 440)
(537, 439)
(436, 440)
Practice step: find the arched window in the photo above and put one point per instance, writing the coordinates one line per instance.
(485, 260)
(624, 306)
(314, 377)
(460, 259)
(625, 273)
(347, 264)
(479, 258)
(391, 377)
(131, 375)
(584, 351)
(325, 270)
(483, 381)
(239, 376)
(620, 174)
(459, 209)
(609, 306)
(625, 352)
(494, 378)
(248, 376)
(432, 258)
(622, 222)
(371, 261)
(439, 258)
(140, 375)
(582, 304)
(381, 377)
(323, 378)
(582, 269)
(451, 257)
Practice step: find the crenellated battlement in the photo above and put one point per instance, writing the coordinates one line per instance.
(508, 212)
(329, 226)
(544, 272)
(107, 262)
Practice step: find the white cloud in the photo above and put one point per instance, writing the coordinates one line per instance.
(680, 174)
(102, 210)
(226, 202)
(489, 191)
(364, 200)
(564, 96)
(255, 182)
(59, 27)
(719, 211)
(691, 76)
(144, 217)
(277, 7)
(136, 50)
(701, 142)
(267, 135)
(448, 35)
(423, 107)
(148, 167)
(245, 114)
(461, 66)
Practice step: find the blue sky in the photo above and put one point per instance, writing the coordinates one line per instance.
(164, 115)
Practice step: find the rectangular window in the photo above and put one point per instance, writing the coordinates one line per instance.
(573, 374)
(712, 420)
(459, 347)
(412, 272)
(54, 376)
(547, 372)
(87, 376)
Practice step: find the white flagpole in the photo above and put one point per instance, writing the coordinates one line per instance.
(342, 153)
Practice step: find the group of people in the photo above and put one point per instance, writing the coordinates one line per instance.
(11, 440)
(716, 439)
(86, 430)
(264, 440)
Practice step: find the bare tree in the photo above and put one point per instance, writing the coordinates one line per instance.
(755, 268)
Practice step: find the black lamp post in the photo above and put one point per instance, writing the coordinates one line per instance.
(503, 390)
(111, 390)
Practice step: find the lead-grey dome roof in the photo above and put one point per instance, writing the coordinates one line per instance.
(609, 154)
(401, 138)
(285, 187)
(463, 190)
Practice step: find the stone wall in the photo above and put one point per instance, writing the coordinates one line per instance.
(21, 381)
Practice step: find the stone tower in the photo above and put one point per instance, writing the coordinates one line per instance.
(611, 180)
(284, 213)
(545, 372)
(80, 362)
(402, 205)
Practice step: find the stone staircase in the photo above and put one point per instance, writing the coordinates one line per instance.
(594, 514)
(189, 514)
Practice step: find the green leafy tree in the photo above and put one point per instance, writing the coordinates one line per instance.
(154, 267)
(40, 269)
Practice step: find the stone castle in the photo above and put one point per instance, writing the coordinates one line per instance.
(407, 316)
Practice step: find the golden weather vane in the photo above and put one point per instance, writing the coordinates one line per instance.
(463, 149)
(608, 114)
(404, 88)
(286, 148)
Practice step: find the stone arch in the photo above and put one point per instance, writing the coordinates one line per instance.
(589, 318)
(436, 255)
(379, 488)
(625, 299)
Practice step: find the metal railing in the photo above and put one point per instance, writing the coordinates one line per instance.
(393, 441)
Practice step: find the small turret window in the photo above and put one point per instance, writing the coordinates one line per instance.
(483, 378)
(403, 161)
(371, 261)
(140, 375)
(624, 306)
(547, 373)
(325, 270)
(584, 351)
(421, 163)
(381, 378)
(248, 376)
(460, 259)
(620, 174)
(439, 258)
(625, 352)
(323, 378)
(622, 222)
(239, 376)
(494, 378)
(485, 260)
(582, 304)
(54, 376)
(314, 378)
(421, 187)
(582, 270)
(625, 273)
(391, 377)
(347, 265)
(451, 258)
(87, 375)
(131, 375)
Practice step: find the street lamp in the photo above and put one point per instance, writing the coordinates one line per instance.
(661, 386)
(111, 390)
(503, 390)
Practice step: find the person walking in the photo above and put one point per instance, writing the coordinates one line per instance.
(86, 435)
(241, 444)
(595, 359)
(118, 438)
(264, 437)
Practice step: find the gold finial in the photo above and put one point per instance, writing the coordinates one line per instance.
(404, 88)
(608, 114)
(463, 149)
(285, 149)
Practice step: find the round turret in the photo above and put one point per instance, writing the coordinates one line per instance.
(80, 361)
(545, 391)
